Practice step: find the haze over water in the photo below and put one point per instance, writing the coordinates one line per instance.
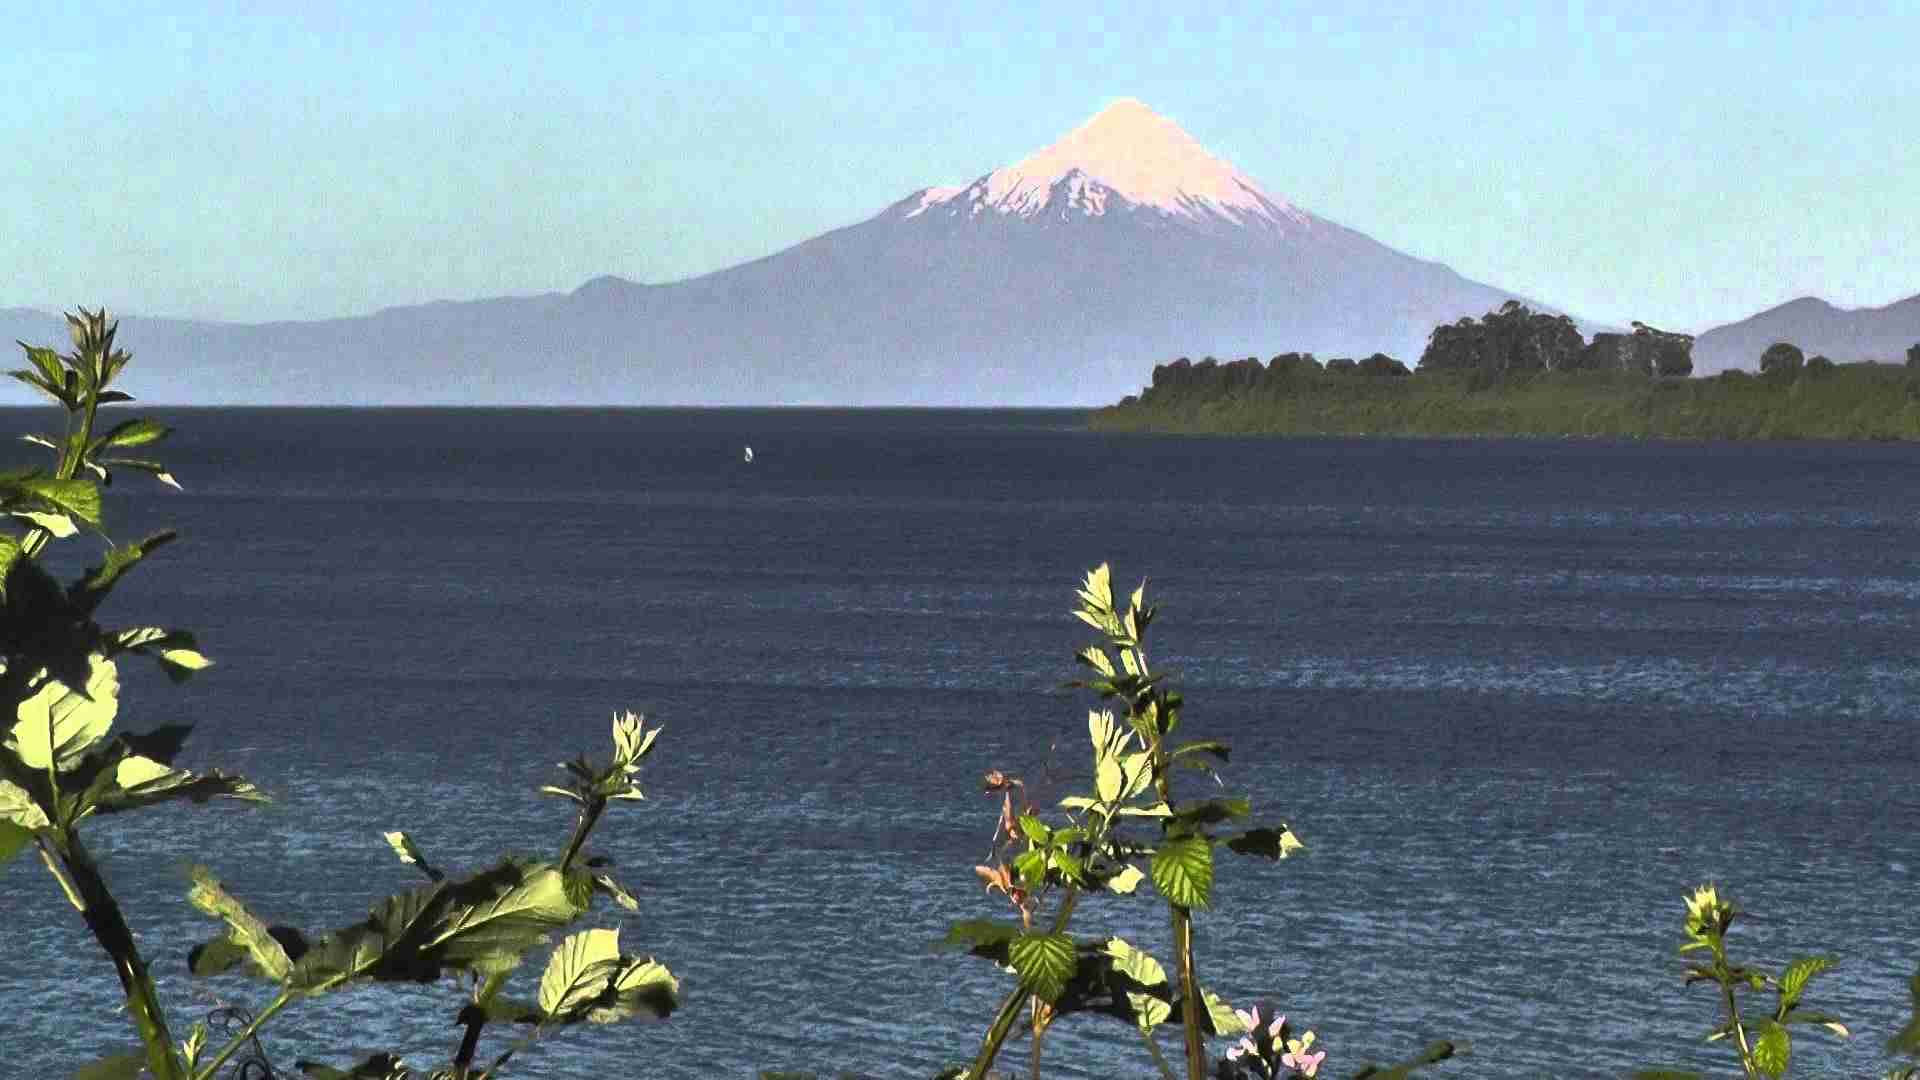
(1517, 698)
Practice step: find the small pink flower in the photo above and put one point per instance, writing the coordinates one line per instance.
(1297, 1056)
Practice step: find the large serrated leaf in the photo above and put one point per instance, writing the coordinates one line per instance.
(1182, 870)
(1794, 979)
(494, 917)
(143, 781)
(79, 499)
(580, 970)
(1773, 1049)
(56, 725)
(244, 929)
(17, 807)
(643, 989)
(1044, 962)
(1135, 964)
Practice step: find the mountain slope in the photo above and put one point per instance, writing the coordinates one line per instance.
(1842, 334)
(1058, 280)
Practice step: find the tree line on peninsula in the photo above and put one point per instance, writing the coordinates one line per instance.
(1515, 371)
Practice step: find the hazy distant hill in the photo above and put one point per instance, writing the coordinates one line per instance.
(1058, 280)
(1882, 333)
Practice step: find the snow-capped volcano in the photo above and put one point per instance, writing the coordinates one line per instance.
(1129, 159)
(1061, 279)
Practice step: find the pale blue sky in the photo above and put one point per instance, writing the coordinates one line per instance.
(331, 158)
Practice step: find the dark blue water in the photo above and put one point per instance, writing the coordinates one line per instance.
(1517, 697)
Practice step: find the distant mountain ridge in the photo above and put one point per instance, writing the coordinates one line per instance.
(1060, 279)
(1843, 335)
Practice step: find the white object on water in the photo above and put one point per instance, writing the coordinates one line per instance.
(749, 455)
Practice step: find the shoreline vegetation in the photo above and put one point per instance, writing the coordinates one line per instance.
(1516, 373)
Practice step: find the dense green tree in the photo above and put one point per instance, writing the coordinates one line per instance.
(1783, 358)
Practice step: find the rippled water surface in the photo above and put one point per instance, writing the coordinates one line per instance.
(1516, 696)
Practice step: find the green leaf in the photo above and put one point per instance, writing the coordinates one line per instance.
(244, 929)
(79, 499)
(377, 1067)
(643, 989)
(409, 853)
(56, 725)
(1794, 979)
(384, 946)
(607, 886)
(1125, 880)
(142, 781)
(1035, 829)
(1044, 962)
(1809, 1016)
(1267, 843)
(980, 937)
(131, 433)
(579, 970)
(1443, 1050)
(1221, 1015)
(1773, 1049)
(52, 388)
(59, 525)
(184, 659)
(1212, 812)
(18, 808)
(45, 361)
(99, 580)
(1183, 871)
(1096, 658)
(492, 918)
(117, 1067)
(12, 839)
(1217, 749)
(158, 470)
(1135, 964)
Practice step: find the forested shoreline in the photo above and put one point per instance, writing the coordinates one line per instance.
(1517, 373)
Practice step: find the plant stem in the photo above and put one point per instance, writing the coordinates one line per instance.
(1739, 1029)
(1192, 1008)
(1010, 1008)
(475, 1017)
(588, 818)
(1038, 1031)
(1159, 1059)
(280, 1001)
(103, 917)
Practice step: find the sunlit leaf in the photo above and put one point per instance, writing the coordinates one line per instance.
(1182, 870)
(579, 970)
(409, 853)
(17, 807)
(60, 525)
(1044, 962)
(57, 724)
(1773, 1049)
(244, 929)
(607, 886)
(1794, 979)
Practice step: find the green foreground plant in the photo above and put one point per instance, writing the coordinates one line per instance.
(59, 768)
(1763, 1041)
(1133, 816)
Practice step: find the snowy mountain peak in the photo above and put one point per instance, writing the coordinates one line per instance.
(1126, 151)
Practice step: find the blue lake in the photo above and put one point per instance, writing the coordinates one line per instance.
(1517, 697)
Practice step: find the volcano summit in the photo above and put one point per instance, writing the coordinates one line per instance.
(1057, 280)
